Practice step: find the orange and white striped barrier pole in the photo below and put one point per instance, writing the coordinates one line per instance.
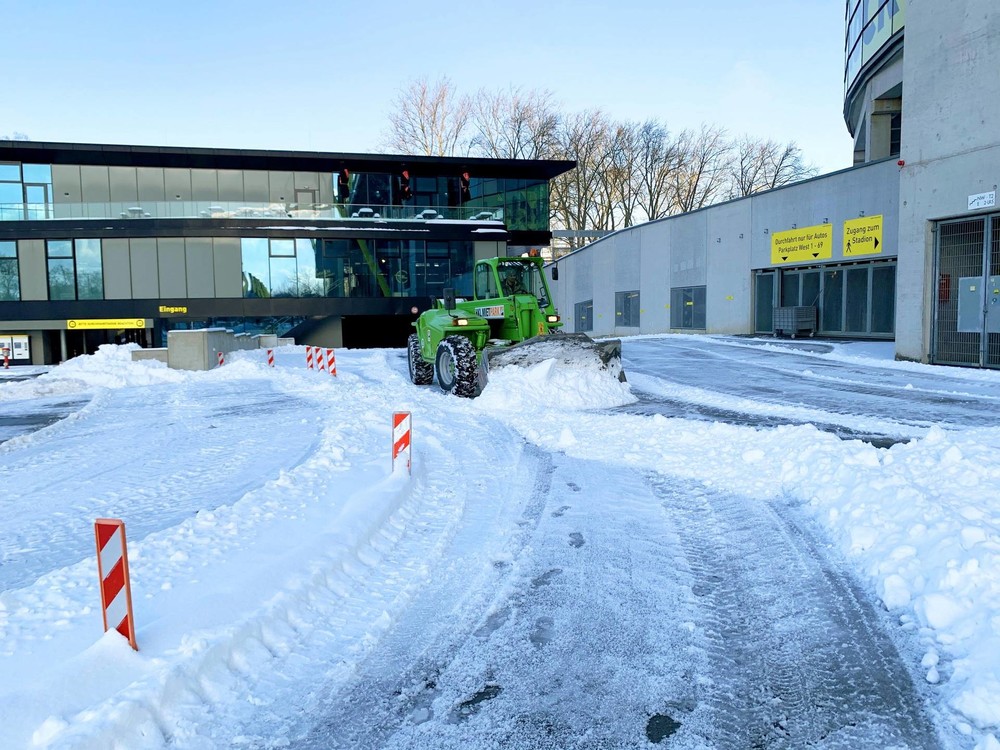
(320, 359)
(112, 569)
(222, 359)
(270, 357)
(331, 362)
(401, 438)
(309, 357)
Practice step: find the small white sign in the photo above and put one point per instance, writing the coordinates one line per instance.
(983, 200)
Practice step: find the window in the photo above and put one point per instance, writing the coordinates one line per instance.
(627, 309)
(10, 280)
(486, 286)
(895, 134)
(75, 269)
(687, 307)
(11, 192)
(583, 313)
(764, 301)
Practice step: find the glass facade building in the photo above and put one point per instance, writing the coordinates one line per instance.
(321, 247)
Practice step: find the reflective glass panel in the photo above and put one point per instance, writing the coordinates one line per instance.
(283, 248)
(60, 248)
(10, 192)
(789, 289)
(256, 269)
(832, 309)
(883, 299)
(10, 172)
(62, 281)
(283, 279)
(305, 257)
(764, 302)
(10, 286)
(857, 300)
(10, 282)
(89, 270)
(37, 173)
(810, 288)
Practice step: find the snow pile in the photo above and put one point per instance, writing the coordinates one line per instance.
(110, 367)
(551, 384)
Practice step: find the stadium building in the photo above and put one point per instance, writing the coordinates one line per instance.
(103, 244)
(905, 245)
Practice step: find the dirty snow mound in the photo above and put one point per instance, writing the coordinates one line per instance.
(553, 385)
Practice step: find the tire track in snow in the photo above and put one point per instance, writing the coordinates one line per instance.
(798, 655)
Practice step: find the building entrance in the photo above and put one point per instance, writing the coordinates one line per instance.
(966, 328)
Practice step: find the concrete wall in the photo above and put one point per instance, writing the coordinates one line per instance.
(951, 104)
(719, 247)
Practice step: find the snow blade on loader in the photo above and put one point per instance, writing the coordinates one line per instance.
(572, 349)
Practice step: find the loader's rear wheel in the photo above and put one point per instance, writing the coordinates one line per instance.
(455, 366)
(421, 372)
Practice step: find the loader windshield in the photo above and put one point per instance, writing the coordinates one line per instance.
(518, 277)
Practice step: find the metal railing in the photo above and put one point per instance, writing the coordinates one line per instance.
(243, 210)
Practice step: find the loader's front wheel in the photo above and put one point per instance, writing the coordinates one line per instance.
(455, 366)
(421, 372)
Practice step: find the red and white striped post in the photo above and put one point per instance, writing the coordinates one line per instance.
(270, 357)
(320, 359)
(401, 438)
(309, 357)
(112, 569)
(331, 362)
(222, 359)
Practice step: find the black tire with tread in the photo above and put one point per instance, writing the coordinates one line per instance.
(421, 372)
(455, 366)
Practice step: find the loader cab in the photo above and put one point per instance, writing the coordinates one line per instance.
(511, 276)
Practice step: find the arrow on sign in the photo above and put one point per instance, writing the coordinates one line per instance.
(876, 243)
(784, 257)
(815, 255)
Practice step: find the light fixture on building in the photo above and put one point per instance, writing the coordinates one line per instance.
(765, 231)
(826, 221)
(718, 239)
(795, 226)
(741, 234)
(861, 214)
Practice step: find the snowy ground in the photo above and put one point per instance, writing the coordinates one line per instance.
(699, 554)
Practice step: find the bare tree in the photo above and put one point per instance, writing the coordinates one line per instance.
(575, 196)
(16, 137)
(702, 170)
(764, 164)
(658, 156)
(429, 118)
(514, 124)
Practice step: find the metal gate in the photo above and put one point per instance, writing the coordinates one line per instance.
(967, 312)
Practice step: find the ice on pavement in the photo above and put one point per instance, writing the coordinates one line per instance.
(252, 496)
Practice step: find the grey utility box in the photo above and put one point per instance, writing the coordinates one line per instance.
(794, 320)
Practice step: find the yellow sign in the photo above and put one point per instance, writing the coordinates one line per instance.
(863, 236)
(802, 245)
(168, 309)
(106, 324)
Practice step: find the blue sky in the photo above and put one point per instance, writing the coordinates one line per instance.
(322, 75)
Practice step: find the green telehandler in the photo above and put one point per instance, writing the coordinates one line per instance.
(510, 321)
